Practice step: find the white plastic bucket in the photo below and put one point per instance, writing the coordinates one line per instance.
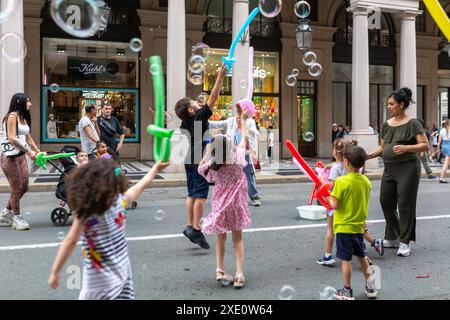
(312, 212)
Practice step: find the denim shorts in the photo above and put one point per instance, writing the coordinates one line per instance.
(197, 185)
(348, 245)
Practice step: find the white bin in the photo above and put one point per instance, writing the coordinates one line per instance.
(312, 212)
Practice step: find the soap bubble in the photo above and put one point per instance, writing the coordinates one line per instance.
(136, 44)
(286, 293)
(302, 9)
(295, 72)
(54, 87)
(169, 116)
(27, 213)
(196, 63)
(68, 16)
(155, 69)
(159, 216)
(291, 80)
(315, 70)
(201, 98)
(308, 136)
(243, 83)
(13, 47)
(201, 49)
(61, 235)
(9, 9)
(312, 58)
(327, 293)
(196, 78)
(270, 8)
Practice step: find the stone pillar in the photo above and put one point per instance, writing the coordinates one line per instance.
(360, 84)
(11, 73)
(176, 78)
(408, 57)
(240, 67)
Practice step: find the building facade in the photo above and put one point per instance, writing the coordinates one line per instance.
(103, 67)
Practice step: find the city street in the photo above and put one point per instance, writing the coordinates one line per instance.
(281, 251)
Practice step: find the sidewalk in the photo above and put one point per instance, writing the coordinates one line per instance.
(283, 171)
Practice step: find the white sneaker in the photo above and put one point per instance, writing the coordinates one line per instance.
(6, 217)
(404, 250)
(20, 223)
(391, 243)
(255, 203)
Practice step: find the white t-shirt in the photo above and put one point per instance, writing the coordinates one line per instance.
(87, 145)
(270, 141)
(443, 134)
(338, 170)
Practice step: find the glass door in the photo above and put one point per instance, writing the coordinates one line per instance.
(306, 118)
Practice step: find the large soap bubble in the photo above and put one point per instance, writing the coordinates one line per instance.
(78, 18)
(13, 47)
(302, 9)
(270, 8)
(9, 9)
(201, 49)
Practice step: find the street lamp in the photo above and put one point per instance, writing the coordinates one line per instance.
(303, 34)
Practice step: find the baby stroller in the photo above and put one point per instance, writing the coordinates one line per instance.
(60, 215)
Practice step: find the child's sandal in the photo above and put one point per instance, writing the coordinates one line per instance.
(239, 281)
(225, 279)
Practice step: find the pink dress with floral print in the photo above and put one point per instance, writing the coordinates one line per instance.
(229, 201)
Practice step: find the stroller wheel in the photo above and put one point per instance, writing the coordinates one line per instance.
(59, 217)
(134, 205)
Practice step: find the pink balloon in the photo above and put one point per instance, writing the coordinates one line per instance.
(247, 104)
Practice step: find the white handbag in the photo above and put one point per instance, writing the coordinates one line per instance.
(7, 148)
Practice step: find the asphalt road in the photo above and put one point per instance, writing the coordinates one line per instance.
(280, 262)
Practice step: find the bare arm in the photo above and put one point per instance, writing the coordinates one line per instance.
(217, 86)
(218, 124)
(420, 146)
(65, 251)
(122, 138)
(12, 138)
(244, 130)
(334, 203)
(377, 152)
(135, 191)
(89, 133)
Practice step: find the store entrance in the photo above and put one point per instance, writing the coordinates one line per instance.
(306, 118)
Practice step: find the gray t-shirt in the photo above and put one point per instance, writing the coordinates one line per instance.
(87, 145)
(338, 170)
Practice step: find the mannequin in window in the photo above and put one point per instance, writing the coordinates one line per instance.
(52, 132)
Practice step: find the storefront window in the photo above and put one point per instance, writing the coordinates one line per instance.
(78, 73)
(63, 110)
(265, 87)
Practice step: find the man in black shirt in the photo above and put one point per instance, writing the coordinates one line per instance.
(110, 129)
(194, 125)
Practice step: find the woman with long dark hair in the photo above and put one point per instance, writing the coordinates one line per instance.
(402, 139)
(17, 123)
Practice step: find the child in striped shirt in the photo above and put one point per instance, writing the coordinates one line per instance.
(98, 195)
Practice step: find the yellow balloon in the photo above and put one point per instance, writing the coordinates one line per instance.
(439, 16)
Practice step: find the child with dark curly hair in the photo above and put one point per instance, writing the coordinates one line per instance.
(98, 196)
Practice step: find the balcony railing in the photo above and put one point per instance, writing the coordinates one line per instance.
(264, 29)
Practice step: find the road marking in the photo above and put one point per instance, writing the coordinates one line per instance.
(179, 235)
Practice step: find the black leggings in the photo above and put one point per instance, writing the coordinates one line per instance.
(399, 186)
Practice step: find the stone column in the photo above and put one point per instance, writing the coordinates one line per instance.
(408, 57)
(240, 67)
(11, 73)
(176, 78)
(360, 83)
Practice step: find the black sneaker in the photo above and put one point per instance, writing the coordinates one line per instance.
(199, 239)
(188, 232)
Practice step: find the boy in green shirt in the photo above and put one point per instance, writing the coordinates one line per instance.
(350, 201)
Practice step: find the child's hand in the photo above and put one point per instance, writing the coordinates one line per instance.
(162, 165)
(53, 281)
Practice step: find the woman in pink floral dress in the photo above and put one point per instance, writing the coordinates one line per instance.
(223, 165)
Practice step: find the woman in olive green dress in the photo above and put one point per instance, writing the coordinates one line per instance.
(402, 138)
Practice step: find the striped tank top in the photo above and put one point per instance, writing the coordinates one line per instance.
(106, 265)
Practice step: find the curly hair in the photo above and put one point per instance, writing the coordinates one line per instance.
(93, 187)
(340, 145)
